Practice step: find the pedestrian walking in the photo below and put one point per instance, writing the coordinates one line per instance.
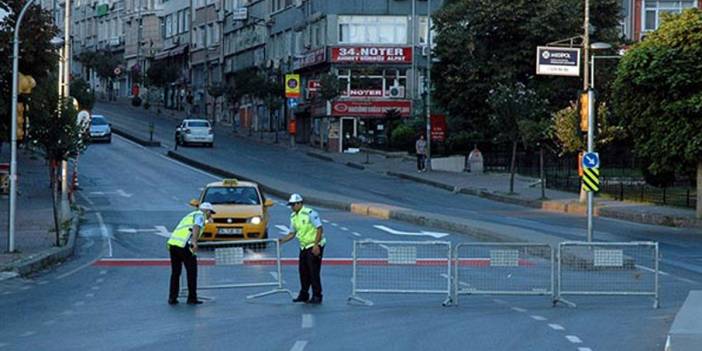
(306, 226)
(420, 147)
(182, 246)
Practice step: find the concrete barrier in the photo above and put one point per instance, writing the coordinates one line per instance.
(140, 141)
(449, 164)
(686, 332)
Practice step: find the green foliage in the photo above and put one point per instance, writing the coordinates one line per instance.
(37, 55)
(80, 89)
(515, 107)
(403, 137)
(462, 142)
(256, 83)
(481, 43)
(329, 86)
(55, 131)
(658, 94)
(102, 62)
(161, 75)
(564, 129)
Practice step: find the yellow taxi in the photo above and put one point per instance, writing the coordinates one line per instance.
(241, 211)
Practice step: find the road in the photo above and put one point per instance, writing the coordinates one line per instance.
(131, 193)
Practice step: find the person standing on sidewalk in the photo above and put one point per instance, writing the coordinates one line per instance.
(307, 227)
(182, 246)
(420, 147)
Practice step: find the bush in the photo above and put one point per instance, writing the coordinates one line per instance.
(136, 101)
(460, 143)
(403, 137)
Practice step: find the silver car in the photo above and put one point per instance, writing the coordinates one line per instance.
(100, 129)
(192, 131)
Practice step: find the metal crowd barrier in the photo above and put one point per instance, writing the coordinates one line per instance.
(503, 269)
(401, 267)
(239, 264)
(608, 268)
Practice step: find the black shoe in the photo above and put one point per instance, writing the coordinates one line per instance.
(315, 300)
(172, 301)
(301, 298)
(194, 302)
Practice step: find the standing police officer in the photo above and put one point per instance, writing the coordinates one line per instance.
(182, 246)
(306, 226)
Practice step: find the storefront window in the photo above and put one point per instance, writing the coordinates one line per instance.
(372, 82)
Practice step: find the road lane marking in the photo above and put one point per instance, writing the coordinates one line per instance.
(344, 228)
(28, 333)
(43, 282)
(651, 270)
(299, 345)
(334, 225)
(518, 309)
(189, 167)
(574, 339)
(436, 235)
(325, 221)
(103, 272)
(26, 287)
(7, 275)
(307, 321)
(89, 295)
(538, 318)
(162, 231)
(2, 344)
(556, 327)
(79, 303)
(105, 234)
(99, 280)
(90, 202)
(356, 234)
(584, 349)
(50, 322)
(501, 302)
(95, 288)
(283, 229)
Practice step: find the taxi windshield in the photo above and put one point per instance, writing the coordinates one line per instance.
(232, 196)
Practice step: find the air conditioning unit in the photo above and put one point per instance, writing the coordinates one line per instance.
(276, 64)
(396, 92)
(425, 50)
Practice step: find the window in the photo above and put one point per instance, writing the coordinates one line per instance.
(208, 36)
(654, 9)
(277, 5)
(373, 29)
(215, 34)
(370, 82)
(169, 26)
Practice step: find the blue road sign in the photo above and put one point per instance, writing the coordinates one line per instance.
(591, 160)
(292, 103)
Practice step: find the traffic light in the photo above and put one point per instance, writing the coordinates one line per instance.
(20, 121)
(584, 111)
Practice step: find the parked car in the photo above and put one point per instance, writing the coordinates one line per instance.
(192, 131)
(100, 129)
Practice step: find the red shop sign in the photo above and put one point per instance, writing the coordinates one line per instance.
(371, 54)
(376, 108)
(438, 128)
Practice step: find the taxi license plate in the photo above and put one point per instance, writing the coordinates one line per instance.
(229, 231)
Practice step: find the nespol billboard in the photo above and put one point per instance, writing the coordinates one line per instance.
(371, 54)
(556, 61)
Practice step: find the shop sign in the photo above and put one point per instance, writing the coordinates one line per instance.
(313, 85)
(373, 108)
(438, 128)
(310, 58)
(292, 85)
(371, 54)
(363, 93)
(557, 61)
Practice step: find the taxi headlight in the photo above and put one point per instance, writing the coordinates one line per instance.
(255, 220)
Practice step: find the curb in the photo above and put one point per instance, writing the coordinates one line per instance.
(38, 261)
(140, 141)
(422, 180)
(319, 156)
(355, 165)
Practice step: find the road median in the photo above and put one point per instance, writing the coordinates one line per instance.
(136, 139)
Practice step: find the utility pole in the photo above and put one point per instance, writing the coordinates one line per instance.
(590, 114)
(66, 93)
(428, 160)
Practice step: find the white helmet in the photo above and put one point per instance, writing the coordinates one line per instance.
(294, 198)
(206, 206)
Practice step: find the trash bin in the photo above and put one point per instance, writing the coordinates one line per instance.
(475, 161)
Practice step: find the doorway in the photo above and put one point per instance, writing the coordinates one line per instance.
(348, 133)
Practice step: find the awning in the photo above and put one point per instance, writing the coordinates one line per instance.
(171, 52)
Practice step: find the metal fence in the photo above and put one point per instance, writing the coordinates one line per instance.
(401, 267)
(618, 269)
(503, 269)
(239, 264)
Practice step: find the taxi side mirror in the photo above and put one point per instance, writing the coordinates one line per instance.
(268, 203)
(194, 203)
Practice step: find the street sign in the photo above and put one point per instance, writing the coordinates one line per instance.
(591, 179)
(117, 71)
(240, 14)
(557, 61)
(292, 103)
(292, 85)
(591, 160)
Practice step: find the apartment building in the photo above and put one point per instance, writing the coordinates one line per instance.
(175, 24)
(642, 16)
(143, 38)
(206, 54)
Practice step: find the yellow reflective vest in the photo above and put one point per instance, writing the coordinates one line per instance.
(305, 231)
(181, 235)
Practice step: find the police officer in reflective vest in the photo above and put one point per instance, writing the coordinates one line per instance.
(306, 226)
(182, 246)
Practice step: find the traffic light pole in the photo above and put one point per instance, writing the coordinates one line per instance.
(590, 148)
(13, 130)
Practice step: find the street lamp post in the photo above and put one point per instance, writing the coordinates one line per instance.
(428, 160)
(13, 130)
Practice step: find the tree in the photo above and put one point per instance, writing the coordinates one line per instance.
(657, 93)
(481, 43)
(80, 89)
(161, 75)
(516, 110)
(37, 55)
(55, 130)
(329, 90)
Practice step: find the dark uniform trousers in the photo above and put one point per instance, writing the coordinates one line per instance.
(180, 256)
(310, 267)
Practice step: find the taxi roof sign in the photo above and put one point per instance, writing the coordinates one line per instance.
(230, 182)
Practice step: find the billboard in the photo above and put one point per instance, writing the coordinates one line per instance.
(557, 61)
(371, 54)
(292, 86)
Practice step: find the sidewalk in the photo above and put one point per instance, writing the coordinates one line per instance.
(493, 186)
(34, 237)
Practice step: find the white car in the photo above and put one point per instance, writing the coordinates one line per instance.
(99, 129)
(192, 131)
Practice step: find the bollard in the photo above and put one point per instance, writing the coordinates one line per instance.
(151, 131)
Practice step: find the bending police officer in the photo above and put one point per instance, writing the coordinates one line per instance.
(182, 246)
